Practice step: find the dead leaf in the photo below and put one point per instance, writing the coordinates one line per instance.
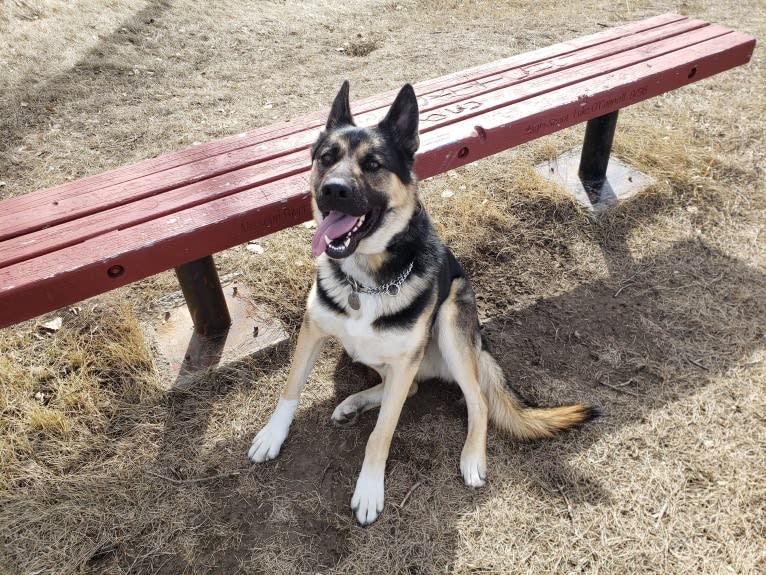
(53, 325)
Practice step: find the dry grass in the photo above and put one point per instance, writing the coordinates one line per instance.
(655, 311)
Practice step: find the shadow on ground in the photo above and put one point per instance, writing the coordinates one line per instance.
(631, 350)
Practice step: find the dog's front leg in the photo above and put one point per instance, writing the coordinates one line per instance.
(268, 442)
(368, 498)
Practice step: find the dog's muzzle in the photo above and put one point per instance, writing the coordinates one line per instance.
(339, 195)
(347, 218)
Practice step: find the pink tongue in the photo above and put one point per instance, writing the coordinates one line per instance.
(333, 226)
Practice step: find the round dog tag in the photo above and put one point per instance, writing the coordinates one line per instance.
(353, 301)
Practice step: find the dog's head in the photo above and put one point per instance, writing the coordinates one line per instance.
(363, 188)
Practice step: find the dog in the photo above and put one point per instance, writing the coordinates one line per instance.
(397, 299)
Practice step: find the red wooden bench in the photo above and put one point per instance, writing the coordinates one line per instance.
(63, 244)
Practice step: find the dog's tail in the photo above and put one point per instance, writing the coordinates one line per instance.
(511, 413)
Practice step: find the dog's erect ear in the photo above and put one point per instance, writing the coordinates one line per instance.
(401, 122)
(340, 114)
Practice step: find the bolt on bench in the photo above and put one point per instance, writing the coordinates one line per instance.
(64, 244)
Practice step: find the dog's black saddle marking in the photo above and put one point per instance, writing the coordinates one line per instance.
(450, 270)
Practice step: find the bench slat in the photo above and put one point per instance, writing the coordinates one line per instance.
(508, 88)
(125, 216)
(62, 278)
(513, 125)
(466, 99)
(75, 199)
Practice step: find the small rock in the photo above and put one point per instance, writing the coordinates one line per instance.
(311, 224)
(255, 248)
(447, 194)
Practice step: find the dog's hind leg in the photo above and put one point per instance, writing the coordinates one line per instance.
(348, 411)
(268, 441)
(457, 329)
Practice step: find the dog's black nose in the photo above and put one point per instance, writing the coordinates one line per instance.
(342, 195)
(336, 190)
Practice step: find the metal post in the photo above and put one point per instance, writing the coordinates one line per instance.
(596, 148)
(204, 297)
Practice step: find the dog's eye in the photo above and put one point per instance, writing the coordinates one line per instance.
(327, 159)
(372, 165)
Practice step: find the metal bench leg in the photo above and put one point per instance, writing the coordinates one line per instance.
(590, 174)
(596, 149)
(204, 297)
(223, 327)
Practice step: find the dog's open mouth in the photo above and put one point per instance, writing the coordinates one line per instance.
(339, 234)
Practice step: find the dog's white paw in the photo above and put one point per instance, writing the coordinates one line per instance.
(269, 440)
(347, 412)
(266, 444)
(474, 469)
(367, 501)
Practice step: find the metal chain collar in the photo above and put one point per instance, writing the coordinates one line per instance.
(392, 288)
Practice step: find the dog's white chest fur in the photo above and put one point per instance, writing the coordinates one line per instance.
(361, 340)
(356, 329)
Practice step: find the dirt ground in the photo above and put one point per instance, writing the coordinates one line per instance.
(655, 311)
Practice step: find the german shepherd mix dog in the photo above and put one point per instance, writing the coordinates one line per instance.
(397, 299)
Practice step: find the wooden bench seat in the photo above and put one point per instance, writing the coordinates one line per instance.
(69, 242)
